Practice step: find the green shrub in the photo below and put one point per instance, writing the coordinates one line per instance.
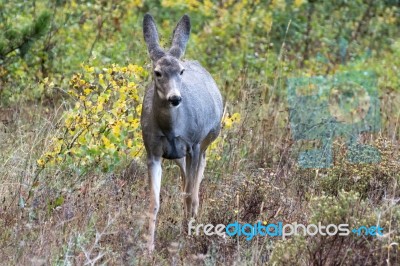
(102, 130)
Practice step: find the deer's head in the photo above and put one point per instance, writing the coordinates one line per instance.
(167, 66)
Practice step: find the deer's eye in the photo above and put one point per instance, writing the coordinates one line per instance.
(183, 70)
(157, 73)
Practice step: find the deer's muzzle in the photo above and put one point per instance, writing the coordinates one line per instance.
(175, 100)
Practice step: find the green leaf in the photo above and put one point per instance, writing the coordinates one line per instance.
(41, 24)
(59, 201)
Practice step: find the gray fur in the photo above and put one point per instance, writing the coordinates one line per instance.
(181, 116)
(198, 115)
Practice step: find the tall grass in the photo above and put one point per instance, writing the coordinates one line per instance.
(62, 217)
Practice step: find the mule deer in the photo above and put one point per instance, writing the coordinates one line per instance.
(181, 116)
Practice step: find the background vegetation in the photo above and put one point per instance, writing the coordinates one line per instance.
(73, 184)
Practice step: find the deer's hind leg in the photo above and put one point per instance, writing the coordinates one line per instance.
(182, 167)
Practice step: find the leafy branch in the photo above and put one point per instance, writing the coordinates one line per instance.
(13, 39)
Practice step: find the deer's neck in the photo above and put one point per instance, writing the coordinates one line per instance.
(165, 115)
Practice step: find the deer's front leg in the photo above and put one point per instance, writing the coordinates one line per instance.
(154, 168)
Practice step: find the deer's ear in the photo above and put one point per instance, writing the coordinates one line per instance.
(180, 37)
(151, 38)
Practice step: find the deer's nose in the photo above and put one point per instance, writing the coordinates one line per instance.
(175, 100)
